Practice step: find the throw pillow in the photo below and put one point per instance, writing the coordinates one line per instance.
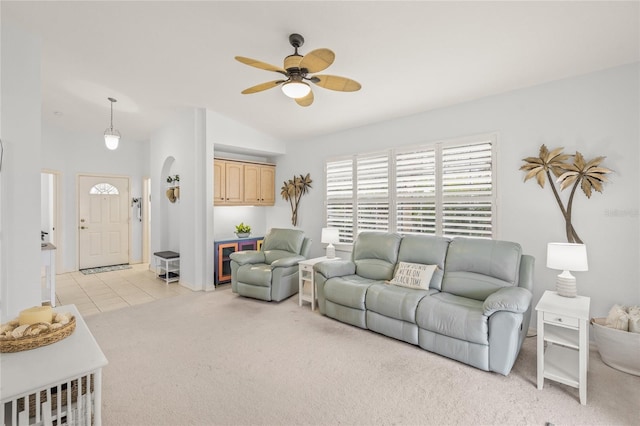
(413, 275)
(618, 318)
(634, 319)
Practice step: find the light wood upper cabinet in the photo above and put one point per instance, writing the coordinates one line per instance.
(218, 182)
(268, 185)
(243, 183)
(228, 182)
(259, 184)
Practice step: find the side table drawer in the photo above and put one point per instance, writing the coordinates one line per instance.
(306, 268)
(561, 320)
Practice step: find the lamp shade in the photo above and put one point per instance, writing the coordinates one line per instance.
(567, 257)
(296, 89)
(330, 235)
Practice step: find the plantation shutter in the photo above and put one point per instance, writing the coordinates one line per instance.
(467, 190)
(373, 192)
(416, 192)
(340, 198)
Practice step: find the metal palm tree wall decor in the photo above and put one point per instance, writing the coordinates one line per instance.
(293, 190)
(586, 174)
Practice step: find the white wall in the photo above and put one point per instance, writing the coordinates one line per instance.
(596, 114)
(183, 140)
(20, 100)
(74, 153)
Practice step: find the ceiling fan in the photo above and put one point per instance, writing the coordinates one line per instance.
(297, 69)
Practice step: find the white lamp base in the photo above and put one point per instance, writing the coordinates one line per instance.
(331, 251)
(566, 285)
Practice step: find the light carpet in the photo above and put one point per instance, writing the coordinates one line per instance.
(220, 359)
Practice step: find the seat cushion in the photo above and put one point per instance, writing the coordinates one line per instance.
(394, 302)
(453, 316)
(350, 290)
(255, 274)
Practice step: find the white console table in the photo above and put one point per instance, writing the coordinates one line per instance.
(53, 370)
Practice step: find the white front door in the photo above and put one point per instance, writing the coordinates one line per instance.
(103, 221)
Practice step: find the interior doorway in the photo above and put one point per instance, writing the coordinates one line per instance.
(103, 221)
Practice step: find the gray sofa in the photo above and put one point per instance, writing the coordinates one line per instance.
(270, 273)
(476, 308)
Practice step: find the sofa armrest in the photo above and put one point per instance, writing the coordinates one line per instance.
(247, 257)
(335, 268)
(512, 299)
(284, 262)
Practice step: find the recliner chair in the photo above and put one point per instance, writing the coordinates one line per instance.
(270, 273)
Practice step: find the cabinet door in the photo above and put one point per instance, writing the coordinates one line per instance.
(218, 182)
(223, 273)
(234, 183)
(252, 183)
(267, 185)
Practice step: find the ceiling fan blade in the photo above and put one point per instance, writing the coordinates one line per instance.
(306, 101)
(317, 60)
(262, 86)
(259, 64)
(334, 82)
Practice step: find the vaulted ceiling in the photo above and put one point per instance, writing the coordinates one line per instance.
(409, 56)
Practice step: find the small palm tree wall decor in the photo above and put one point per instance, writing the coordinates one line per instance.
(293, 190)
(586, 174)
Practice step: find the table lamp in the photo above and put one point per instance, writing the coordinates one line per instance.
(330, 236)
(567, 257)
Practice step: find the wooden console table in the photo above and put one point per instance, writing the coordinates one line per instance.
(53, 371)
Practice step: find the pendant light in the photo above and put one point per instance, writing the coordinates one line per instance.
(111, 135)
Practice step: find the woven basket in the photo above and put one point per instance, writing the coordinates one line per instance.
(47, 337)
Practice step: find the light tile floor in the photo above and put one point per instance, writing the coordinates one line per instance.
(107, 291)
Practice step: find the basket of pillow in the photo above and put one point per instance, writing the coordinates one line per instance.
(618, 338)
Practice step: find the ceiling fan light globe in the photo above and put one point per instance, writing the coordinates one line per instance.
(111, 138)
(296, 89)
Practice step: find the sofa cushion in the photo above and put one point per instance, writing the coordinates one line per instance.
(284, 239)
(394, 302)
(453, 316)
(256, 274)
(475, 268)
(428, 250)
(413, 275)
(375, 254)
(349, 291)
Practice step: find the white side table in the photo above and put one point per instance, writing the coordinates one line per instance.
(563, 323)
(305, 268)
(53, 369)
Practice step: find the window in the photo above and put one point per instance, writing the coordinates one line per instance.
(447, 188)
(103, 188)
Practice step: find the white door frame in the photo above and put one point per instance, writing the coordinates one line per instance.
(57, 214)
(145, 203)
(129, 228)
